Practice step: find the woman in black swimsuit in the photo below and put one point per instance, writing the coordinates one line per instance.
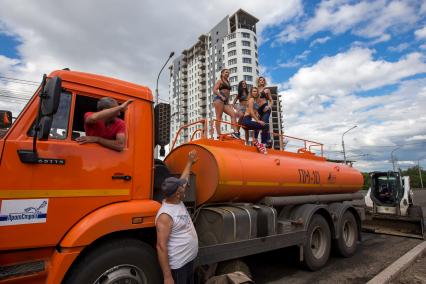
(265, 103)
(242, 97)
(222, 90)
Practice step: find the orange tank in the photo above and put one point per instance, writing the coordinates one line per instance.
(229, 171)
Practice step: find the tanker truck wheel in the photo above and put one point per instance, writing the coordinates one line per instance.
(346, 244)
(117, 261)
(316, 249)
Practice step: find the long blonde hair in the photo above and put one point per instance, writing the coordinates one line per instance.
(251, 93)
(258, 79)
(221, 75)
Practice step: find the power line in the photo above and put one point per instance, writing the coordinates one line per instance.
(17, 80)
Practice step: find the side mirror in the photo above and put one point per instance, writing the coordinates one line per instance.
(50, 96)
(162, 125)
(5, 119)
(44, 125)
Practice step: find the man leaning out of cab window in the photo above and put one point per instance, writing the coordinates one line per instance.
(104, 126)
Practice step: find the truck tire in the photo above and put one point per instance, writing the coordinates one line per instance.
(231, 266)
(117, 261)
(347, 242)
(316, 249)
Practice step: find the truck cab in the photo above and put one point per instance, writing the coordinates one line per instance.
(57, 196)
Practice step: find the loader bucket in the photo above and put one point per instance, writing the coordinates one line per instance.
(412, 226)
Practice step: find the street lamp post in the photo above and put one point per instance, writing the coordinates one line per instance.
(393, 158)
(158, 77)
(343, 142)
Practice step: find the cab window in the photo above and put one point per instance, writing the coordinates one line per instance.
(84, 104)
(61, 118)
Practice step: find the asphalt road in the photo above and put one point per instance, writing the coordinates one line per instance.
(375, 253)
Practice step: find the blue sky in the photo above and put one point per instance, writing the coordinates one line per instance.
(338, 63)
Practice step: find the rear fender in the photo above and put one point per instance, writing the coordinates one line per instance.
(115, 217)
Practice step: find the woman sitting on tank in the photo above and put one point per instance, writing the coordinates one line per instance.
(265, 103)
(242, 97)
(222, 90)
(252, 121)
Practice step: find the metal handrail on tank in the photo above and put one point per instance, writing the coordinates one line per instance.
(305, 141)
(202, 121)
(205, 128)
(226, 122)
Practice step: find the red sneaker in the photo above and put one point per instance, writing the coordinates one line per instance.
(260, 147)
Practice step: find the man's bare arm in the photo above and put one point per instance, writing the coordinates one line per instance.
(117, 144)
(107, 113)
(192, 158)
(164, 226)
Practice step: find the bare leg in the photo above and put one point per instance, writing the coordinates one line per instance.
(230, 111)
(218, 106)
(240, 115)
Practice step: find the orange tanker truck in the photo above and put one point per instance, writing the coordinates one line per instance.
(74, 213)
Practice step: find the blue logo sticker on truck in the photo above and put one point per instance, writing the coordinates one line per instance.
(23, 211)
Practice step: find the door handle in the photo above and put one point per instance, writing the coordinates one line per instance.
(124, 177)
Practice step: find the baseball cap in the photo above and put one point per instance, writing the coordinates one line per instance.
(171, 184)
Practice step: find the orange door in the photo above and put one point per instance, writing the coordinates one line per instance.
(70, 181)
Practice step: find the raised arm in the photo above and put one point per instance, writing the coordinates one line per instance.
(108, 113)
(192, 159)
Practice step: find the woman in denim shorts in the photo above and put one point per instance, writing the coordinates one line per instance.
(222, 90)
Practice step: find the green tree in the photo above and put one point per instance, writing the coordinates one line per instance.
(367, 181)
(413, 173)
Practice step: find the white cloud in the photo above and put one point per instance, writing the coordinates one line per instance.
(129, 40)
(421, 33)
(354, 70)
(400, 47)
(369, 19)
(324, 100)
(296, 61)
(320, 40)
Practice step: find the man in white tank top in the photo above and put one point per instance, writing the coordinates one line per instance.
(177, 241)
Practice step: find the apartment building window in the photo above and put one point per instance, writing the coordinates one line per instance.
(233, 79)
(245, 35)
(232, 53)
(246, 60)
(248, 78)
(246, 52)
(233, 44)
(247, 69)
(245, 43)
(233, 70)
(234, 88)
(232, 61)
(231, 36)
